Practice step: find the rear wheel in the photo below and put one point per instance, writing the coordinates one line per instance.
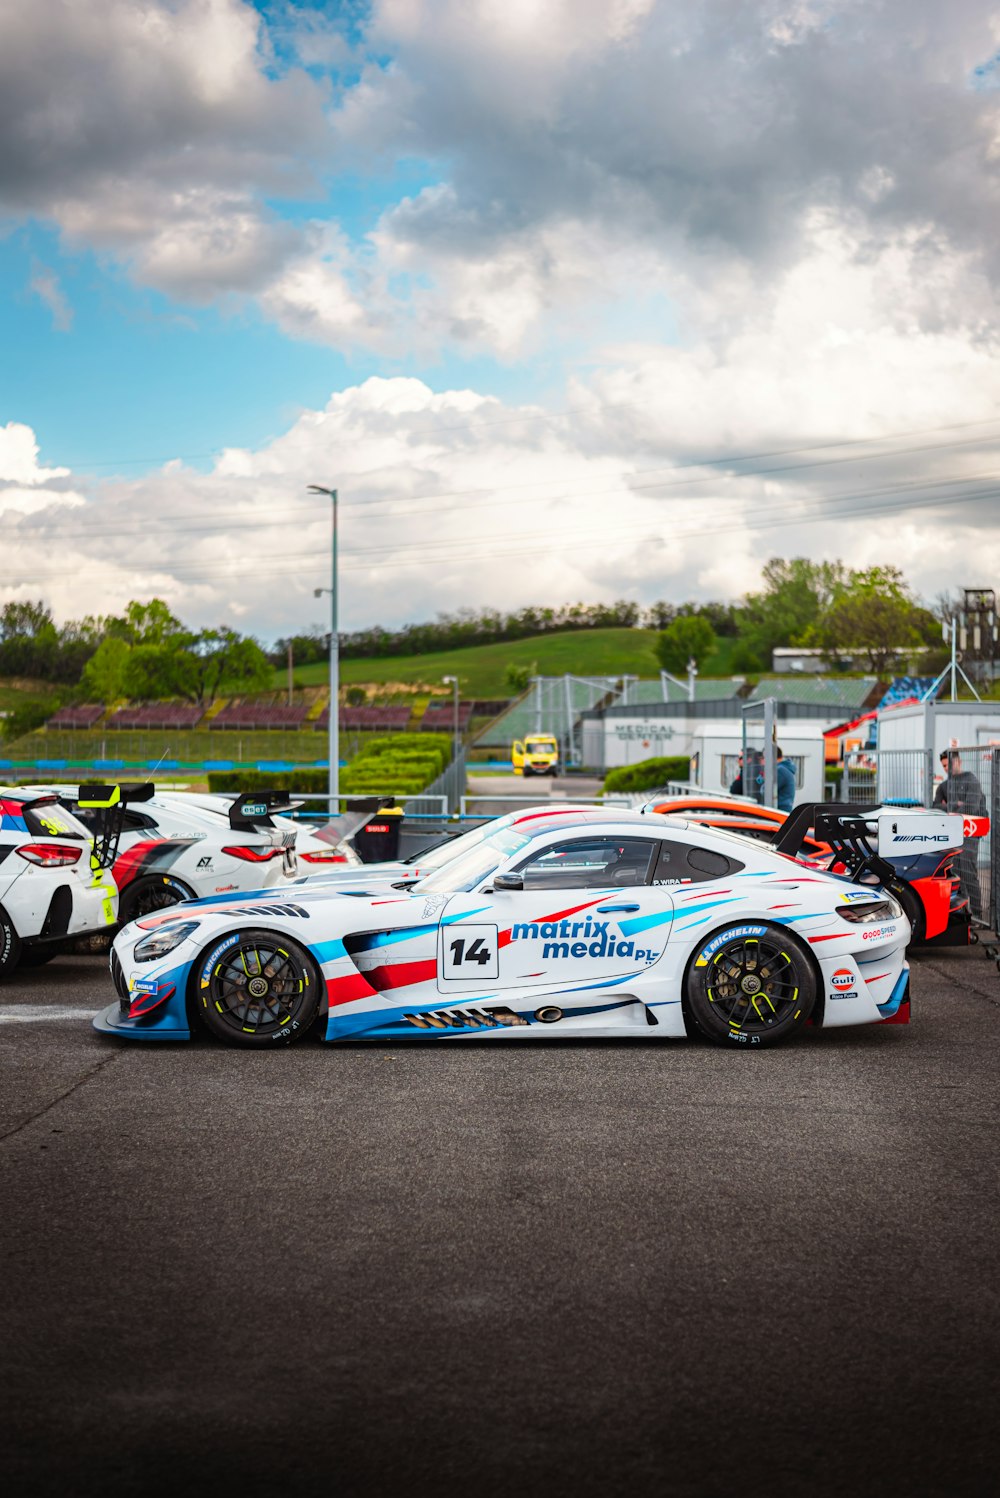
(749, 985)
(912, 909)
(143, 896)
(257, 988)
(10, 945)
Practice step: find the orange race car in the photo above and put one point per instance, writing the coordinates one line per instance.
(925, 883)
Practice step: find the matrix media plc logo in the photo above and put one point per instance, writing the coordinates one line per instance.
(843, 978)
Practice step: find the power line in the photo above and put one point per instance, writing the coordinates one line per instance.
(391, 506)
(790, 516)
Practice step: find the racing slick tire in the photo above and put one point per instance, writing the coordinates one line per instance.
(256, 988)
(10, 946)
(749, 984)
(143, 896)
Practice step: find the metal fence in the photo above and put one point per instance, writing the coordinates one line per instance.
(448, 788)
(913, 777)
(875, 776)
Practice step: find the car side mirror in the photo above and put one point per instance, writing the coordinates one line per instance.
(508, 881)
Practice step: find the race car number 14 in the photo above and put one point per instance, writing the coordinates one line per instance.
(472, 952)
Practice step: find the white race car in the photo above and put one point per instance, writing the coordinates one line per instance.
(597, 923)
(51, 888)
(401, 873)
(173, 846)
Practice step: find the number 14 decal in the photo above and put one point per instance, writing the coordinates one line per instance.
(469, 953)
(477, 952)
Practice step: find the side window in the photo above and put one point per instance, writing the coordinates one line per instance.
(590, 863)
(684, 863)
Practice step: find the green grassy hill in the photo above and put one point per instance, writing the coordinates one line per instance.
(480, 668)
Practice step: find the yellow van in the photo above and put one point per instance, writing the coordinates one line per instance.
(536, 754)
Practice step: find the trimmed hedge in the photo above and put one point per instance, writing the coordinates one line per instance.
(648, 774)
(404, 763)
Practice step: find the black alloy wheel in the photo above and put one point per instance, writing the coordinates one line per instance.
(144, 896)
(754, 986)
(256, 988)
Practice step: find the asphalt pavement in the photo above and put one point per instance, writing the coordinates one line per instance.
(544, 1267)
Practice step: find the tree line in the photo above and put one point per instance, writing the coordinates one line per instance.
(867, 615)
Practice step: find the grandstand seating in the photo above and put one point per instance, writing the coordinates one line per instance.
(395, 718)
(82, 715)
(903, 688)
(156, 715)
(248, 715)
(441, 716)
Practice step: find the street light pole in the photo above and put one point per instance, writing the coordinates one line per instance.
(333, 783)
(456, 743)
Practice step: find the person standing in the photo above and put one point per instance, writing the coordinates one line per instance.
(961, 792)
(785, 785)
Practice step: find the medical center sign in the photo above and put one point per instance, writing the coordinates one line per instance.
(646, 733)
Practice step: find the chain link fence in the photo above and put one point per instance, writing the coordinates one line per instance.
(913, 777)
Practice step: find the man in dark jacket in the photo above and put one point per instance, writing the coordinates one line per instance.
(784, 782)
(961, 792)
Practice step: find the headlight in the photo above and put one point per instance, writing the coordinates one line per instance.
(886, 909)
(159, 943)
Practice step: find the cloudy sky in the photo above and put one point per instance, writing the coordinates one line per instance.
(570, 299)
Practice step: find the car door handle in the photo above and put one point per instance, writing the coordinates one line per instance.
(607, 909)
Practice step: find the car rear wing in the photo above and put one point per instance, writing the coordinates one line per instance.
(850, 830)
(358, 811)
(109, 803)
(864, 838)
(253, 809)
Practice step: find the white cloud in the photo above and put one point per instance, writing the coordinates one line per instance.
(453, 499)
(19, 457)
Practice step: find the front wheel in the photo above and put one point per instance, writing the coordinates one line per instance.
(749, 985)
(256, 988)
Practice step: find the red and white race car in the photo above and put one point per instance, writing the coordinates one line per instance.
(51, 886)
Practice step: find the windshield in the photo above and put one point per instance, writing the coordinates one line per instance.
(452, 847)
(539, 746)
(473, 865)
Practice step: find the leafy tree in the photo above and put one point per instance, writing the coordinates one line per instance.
(306, 648)
(518, 677)
(688, 638)
(874, 617)
(745, 658)
(104, 674)
(29, 640)
(221, 660)
(154, 671)
(355, 696)
(796, 594)
(150, 623)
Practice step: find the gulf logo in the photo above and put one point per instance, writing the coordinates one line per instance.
(843, 978)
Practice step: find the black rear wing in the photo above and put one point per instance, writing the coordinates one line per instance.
(846, 827)
(109, 802)
(255, 808)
